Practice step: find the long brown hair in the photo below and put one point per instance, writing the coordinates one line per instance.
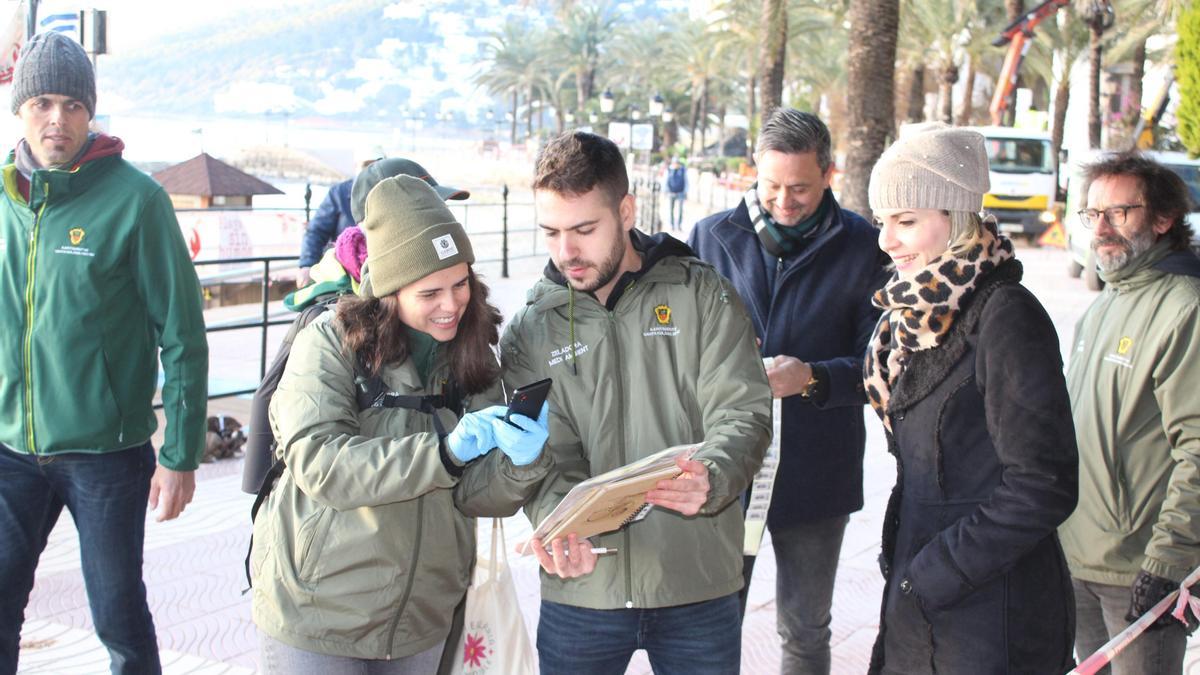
(372, 330)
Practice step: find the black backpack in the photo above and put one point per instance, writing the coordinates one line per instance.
(261, 470)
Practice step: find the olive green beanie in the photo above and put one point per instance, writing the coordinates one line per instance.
(931, 166)
(410, 234)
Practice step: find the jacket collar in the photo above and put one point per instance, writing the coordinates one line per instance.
(928, 368)
(737, 236)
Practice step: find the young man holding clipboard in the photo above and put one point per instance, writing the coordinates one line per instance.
(649, 348)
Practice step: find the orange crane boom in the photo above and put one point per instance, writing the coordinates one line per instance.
(1017, 36)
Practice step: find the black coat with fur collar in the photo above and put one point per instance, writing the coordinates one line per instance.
(985, 447)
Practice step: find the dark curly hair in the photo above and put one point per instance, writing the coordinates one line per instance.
(1163, 191)
(371, 329)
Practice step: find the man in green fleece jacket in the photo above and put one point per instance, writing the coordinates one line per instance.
(648, 348)
(1132, 378)
(95, 279)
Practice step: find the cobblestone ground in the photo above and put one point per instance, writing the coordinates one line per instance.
(194, 572)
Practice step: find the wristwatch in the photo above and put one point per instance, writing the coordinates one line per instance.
(810, 388)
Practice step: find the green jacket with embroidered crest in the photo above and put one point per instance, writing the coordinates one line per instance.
(674, 362)
(94, 279)
(1133, 379)
(367, 542)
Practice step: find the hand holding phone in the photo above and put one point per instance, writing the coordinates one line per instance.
(528, 400)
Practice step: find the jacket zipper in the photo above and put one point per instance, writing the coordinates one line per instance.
(31, 269)
(626, 539)
(412, 575)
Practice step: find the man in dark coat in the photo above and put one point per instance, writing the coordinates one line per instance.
(806, 270)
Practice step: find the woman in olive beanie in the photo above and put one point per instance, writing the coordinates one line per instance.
(964, 371)
(388, 416)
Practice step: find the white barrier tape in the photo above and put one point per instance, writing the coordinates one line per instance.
(764, 482)
(1180, 598)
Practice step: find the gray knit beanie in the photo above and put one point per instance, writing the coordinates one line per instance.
(931, 166)
(410, 234)
(52, 63)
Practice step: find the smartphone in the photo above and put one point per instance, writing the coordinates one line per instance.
(528, 400)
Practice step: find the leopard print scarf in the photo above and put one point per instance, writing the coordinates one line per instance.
(918, 312)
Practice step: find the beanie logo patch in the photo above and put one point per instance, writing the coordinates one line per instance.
(445, 247)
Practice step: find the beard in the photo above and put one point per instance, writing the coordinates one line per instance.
(1129, 248)
(606, 270)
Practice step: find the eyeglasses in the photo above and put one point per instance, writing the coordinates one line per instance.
(1115, 215)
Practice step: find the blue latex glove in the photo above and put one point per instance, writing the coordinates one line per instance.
(523, 444)
(473, 436)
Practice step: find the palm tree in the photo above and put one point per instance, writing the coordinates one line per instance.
(580, 44)
(870, 66)
(513, 66)
(693, 56)
(773, 29)
(937, 30)
(1098, 15)
(736, 39)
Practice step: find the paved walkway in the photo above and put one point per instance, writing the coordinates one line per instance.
(194, 571)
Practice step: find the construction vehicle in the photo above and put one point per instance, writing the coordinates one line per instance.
(1017, 36)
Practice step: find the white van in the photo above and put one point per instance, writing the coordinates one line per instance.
(1079, 238)
(1021, 170)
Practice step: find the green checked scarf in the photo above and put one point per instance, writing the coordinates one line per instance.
(783, 240)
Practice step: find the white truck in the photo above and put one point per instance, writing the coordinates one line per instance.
(1022, 176)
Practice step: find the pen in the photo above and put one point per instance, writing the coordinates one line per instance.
(602, 550)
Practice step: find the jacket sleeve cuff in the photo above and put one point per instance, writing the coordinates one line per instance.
(843, 381)
(1161, 569)
(449, 461)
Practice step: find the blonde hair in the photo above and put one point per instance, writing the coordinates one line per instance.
(966, 229)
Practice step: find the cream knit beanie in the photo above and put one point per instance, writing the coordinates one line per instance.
(410, 234)
(931, 166)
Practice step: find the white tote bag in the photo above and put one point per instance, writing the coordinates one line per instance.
(494, 641)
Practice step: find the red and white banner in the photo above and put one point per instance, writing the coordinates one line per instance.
(11, 41)
(241, 234)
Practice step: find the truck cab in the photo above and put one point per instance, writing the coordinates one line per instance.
(1021, 171)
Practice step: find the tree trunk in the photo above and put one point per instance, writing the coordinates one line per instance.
(1135, 89)
(721, 131)
(968, 100)
(870, 66)
(513, 133)
(774, 53)
(1062, 96)
(703, 115)
(695, 114)
(529, 113)
(916, 95)
(949, 76)
(750, 105)
(1096, 48)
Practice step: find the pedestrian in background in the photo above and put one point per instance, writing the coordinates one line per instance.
(1133, 380)
(677, 187)
(965, 372)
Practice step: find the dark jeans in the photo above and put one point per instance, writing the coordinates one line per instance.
(106, 495)
(702, 638)
(1100, 614)
(806, 560)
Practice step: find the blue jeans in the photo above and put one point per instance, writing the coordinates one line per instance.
(106, 495)
(703, 638)
(677, 216)
(1100, 614)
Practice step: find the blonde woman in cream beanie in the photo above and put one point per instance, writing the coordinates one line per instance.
(965, 373)
(389, 417)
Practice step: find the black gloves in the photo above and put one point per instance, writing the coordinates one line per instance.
(1145, 593)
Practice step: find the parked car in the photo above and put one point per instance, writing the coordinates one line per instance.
(1081, 259)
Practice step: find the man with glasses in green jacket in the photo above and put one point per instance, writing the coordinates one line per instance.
(1132, 378)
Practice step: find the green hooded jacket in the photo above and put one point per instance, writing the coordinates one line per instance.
(1133, 382)
(366, 544)
(673, 362)
(95, 278)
